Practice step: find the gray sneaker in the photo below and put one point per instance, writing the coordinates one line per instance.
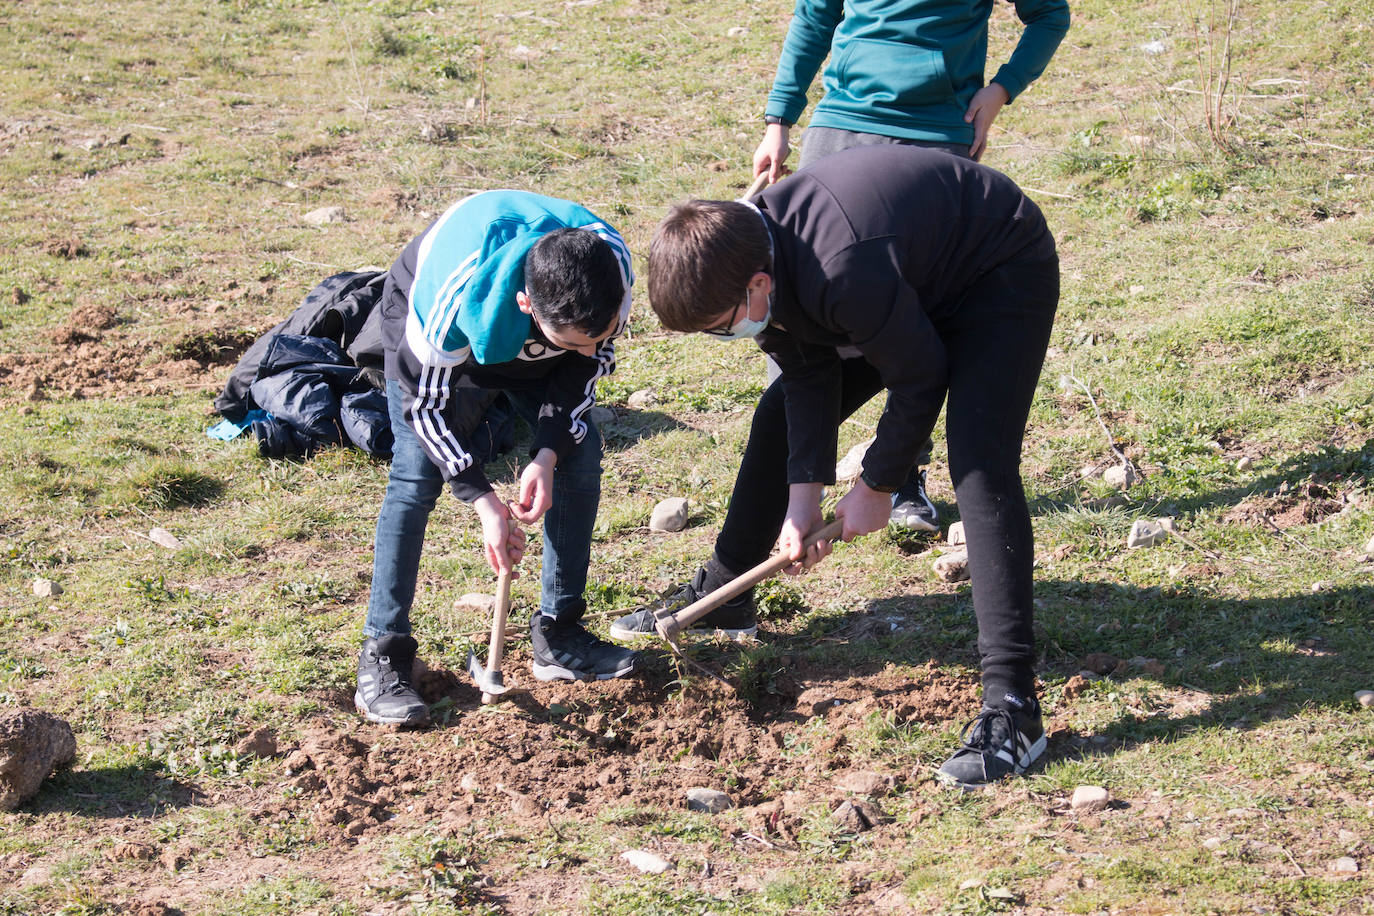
(999, 742)
(385, 694)
(912, 508)
(564, 650)
(735, 619)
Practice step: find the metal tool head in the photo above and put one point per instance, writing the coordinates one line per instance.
(489, 682)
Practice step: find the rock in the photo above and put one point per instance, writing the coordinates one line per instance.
(131, 851)
(1087, 799)
(852, 464)
(1365, 698)
(1153, 47)
(601, 415)
(1151, 667)
(1120, 476)
(864, 782)
(164, 538)
(857, 816)
(1213, 843)
(469, 783)
(646, 861)
(669, 515)
(46, 588)
(712, 801)
(1245, 463)
(1344, 866)
(477, 602)
(1099, 662)
(1145, 533)
(737, 31)
(952, 567)
(261, 743)
(325, 215)
(1369, 546)
(642, 399)
(1090, 472)
(955, 536)
(32, 744)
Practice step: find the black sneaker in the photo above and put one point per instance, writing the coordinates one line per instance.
(912, 508)
(564, 650)
(999, 742)
(735, 619)
(385, 694)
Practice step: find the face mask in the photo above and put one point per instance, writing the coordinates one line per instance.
(746, 327)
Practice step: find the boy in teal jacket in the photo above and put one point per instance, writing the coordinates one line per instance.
(908, 72)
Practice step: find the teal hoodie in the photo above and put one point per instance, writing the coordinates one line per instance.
(905, 68)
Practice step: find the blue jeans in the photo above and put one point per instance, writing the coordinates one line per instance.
(414, 487)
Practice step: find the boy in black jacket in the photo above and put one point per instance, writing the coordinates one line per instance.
(896, 268)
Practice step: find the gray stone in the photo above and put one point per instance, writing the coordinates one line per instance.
(669, 515)
(852, 464)
(477, 602)
(712, 801)
(601, 415)
(1245, 463)
(642, 399)
(32, 744)
(1145, 533)
(1120, 476)
(1369, 546)
(737, 31)
(646, 861)
(1365, 698)
(955, 536)
(46, 588)
(857, 816)
(164, 538)
(952, 567)
(1344, 866)
(1087, 799)
(325, 215)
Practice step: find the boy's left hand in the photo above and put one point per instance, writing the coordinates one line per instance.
(983, 109)
(536, 488)
(863, 510)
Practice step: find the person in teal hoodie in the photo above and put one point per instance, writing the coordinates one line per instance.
(905, 72)
(509, 292)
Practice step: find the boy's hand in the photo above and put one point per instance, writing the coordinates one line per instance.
(803, 517)
(536, 488)
(503, 543)
(983, 109)
(772, 153)
(863, 510)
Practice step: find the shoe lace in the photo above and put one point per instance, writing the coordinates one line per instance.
(981, 735)
(390, 679)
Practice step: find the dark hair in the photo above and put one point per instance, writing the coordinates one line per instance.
(700, 260)
(574, 280)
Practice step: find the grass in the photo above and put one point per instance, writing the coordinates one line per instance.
(1214, 327)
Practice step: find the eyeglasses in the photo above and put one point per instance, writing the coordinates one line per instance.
(726, 329)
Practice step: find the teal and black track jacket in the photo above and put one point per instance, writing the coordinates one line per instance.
(450, 321)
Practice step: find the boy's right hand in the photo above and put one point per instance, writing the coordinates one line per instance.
(803, 517)
(772, 153)
(502, 541)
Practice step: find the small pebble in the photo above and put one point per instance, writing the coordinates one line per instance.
(46, 588)
(711, 801)
(669, 515)
(325, 215)
(164, 538)
(1344, 866)
(647, 862)
(952, 567)
(1120, 476)
(1087, 799)
(955, 537)
(1145, 533)
(642, 398)
(1365, 698)
(1245, 463)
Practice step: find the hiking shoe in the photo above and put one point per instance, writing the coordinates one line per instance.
(564, 650)
(735, 618)
(385, 693)
(999, 742)
(912, 508)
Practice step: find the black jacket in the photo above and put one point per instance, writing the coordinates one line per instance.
(873, 246)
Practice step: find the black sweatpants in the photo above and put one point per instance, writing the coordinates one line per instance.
(995, 337)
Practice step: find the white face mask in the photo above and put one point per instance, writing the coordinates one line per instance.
(746, 326)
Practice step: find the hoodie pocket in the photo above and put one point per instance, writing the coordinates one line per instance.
(890, 74)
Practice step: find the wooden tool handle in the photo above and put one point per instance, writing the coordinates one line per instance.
(759, 181)
(672, 624)
(497, 647)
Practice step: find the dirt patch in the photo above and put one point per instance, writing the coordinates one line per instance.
(1306, 504)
